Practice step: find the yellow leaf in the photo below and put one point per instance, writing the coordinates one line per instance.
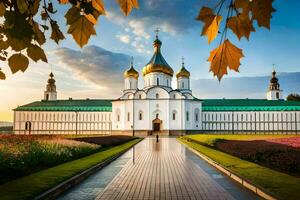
(211, 28)
(240, 25)
(127, 5)
(262, 12)
(81, 30)
(99, 6)
(36, 53)
(2, 9)
(18, 62)
(226, 55)
(2, 75)
(56, 34)
(22, 5)
(211, 23)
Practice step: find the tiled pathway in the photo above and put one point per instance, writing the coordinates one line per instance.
(162, 171)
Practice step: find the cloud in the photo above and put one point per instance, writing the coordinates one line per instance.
(124, 38)
(173, 17)
(97, 65)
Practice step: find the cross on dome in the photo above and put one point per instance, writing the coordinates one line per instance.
(156, 32)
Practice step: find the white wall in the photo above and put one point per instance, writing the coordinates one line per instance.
(62, 122)
(259, 121)
(151, 79)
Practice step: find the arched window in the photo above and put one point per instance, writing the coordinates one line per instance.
(130, 85)
(157, 115)
(196, 117)
(167, 82)
(187, 116)
(157, 81)
(157, 96)
(174, 96)
(174, 116)
(118, 118)
(128, 116)
(140, 115)
(140, 96)
(182, 85)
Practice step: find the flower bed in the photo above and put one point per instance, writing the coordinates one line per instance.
(24, 154)
(279, 154)
(293, 142)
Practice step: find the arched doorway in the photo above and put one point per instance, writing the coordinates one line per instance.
(28, 127)
(156, 124)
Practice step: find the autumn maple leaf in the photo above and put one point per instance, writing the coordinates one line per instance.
(211, 23)
(226, 55)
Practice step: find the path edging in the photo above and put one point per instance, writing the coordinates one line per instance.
(233, 176)
(57, 190)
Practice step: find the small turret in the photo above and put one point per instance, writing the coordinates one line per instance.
(131, 77)
(183, 78)
(50, 94)
(274, 92)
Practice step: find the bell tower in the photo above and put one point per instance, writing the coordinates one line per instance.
(50, 94)
(274, 92)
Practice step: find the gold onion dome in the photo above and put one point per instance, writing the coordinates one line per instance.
(131, 72)
(157, 62)
(183, 72)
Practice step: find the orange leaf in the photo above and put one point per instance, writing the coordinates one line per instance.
(2, 75)
(211, 23)
(211, 28)
(226, 55)
(240, 25)
(63, 1)
(127, 5)
(99, 6)
(262, 12)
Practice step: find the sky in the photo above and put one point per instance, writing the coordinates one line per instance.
(96, 71)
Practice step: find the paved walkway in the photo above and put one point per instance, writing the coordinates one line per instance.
(163, 171)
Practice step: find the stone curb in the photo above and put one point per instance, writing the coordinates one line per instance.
(233, 176)
(56, 191)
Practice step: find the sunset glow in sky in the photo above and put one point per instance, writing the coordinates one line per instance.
(96, 71)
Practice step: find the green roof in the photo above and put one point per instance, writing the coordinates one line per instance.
(249, 105)
(87, 105)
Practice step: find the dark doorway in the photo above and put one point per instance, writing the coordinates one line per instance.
(156, 126)
(28, 127)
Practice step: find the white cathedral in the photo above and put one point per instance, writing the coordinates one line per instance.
(157, 108)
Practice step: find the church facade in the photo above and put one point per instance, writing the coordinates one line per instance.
(157, 108)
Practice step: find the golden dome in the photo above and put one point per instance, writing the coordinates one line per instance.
(183, 72)
(131, 72)
(157, 62)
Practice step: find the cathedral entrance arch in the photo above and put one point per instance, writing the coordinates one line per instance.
(156, 124)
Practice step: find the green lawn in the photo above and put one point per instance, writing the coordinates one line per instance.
(210, 138)
(279, 184)
(35, 184)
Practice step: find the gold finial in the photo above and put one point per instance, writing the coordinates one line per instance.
(156, 32)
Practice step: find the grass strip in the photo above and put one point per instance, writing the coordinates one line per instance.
(30, 186)
(276, 183)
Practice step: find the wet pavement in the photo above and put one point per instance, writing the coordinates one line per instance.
(163, 170)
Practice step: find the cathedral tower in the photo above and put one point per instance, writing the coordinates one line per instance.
(274, 92)
(131, 78)
(183, 78)
(50, 94)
